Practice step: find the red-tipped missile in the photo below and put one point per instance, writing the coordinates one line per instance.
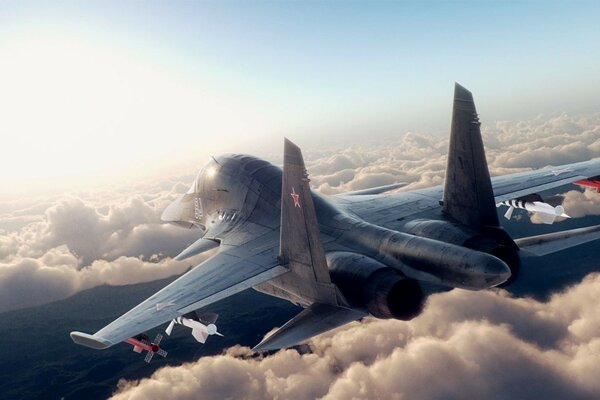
(142, 342)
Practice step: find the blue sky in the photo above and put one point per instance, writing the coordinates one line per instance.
(262, 70)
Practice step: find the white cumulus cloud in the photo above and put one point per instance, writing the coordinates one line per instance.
(83, 240)
(420, 160)
(464, 345)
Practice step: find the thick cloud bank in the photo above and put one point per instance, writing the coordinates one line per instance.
(421, 159)
(579, 204)
(478, 345)
(55, 249)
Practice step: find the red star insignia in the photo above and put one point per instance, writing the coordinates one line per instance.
(296, 198)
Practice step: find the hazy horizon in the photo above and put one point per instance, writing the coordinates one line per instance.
(111, 90)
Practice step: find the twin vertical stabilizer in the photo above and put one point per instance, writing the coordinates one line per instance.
(468, 195)
(300, 243)
(301, 250)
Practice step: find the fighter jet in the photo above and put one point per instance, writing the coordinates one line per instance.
(347, 256)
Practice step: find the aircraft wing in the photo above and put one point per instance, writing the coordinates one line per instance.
(386, 210)
(509, 187)
(231, 270)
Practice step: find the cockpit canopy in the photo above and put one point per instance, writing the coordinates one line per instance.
(224, 191)
(186, 211)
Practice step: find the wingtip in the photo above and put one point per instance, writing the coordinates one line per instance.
(88, 340)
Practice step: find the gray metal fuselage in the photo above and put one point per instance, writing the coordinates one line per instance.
(240, 198)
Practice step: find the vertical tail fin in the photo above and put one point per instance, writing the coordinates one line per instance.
(300, 242)
(468, 195)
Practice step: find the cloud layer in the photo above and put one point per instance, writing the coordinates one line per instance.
(465, 345)
(52, 250)
(579, 204)
(511, 146)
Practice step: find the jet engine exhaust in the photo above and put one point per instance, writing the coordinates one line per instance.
(389, 295)
(383, 291)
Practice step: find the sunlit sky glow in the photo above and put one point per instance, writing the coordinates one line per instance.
(95, 90)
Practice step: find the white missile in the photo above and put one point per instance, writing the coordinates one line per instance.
(200, 331)
(545, 211)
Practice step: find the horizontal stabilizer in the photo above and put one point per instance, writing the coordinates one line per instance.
(549, 243)
(316, 319)
(376, 190)
(199, 246)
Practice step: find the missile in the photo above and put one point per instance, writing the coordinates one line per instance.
(546, 212)
(142, 342)
(201, 326)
